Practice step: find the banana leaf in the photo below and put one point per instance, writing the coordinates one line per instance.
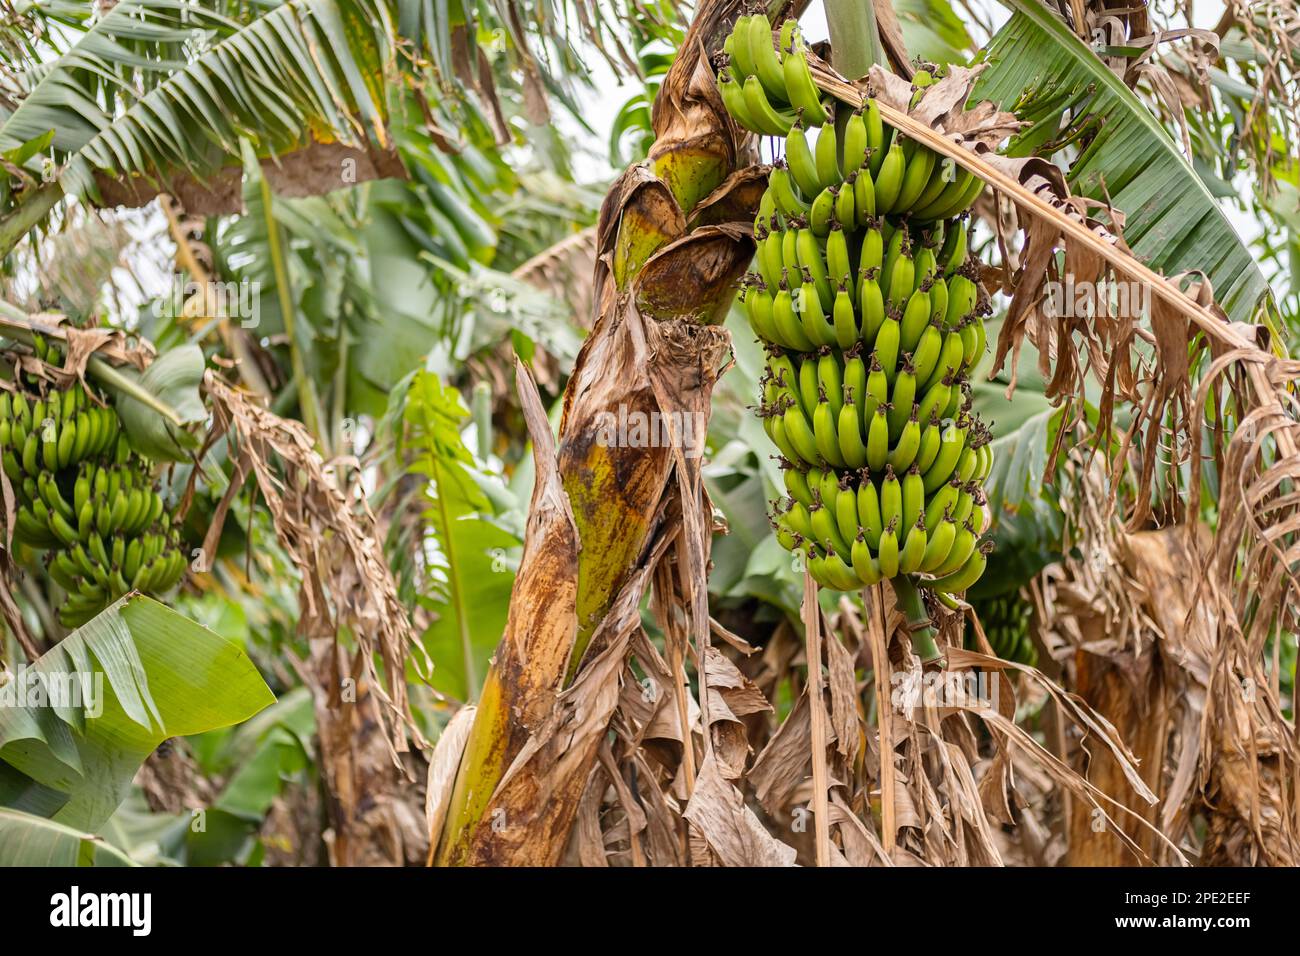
(1027, 523)
(27, 840)
(134, 676)
(1039, 69)
(174, 381)
(469, 572)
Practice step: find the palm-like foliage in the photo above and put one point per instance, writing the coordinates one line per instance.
(157, 86)
(1041, 69)
(159, 89)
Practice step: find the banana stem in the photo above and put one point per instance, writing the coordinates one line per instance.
(308, 400)
(855, 37)
(918, 619)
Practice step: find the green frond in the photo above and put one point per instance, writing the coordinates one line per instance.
(1172, 220)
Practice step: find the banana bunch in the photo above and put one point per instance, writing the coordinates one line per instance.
(53, 434)
(1005, 620)
(85, 499)
(867, 300)
(765, 87)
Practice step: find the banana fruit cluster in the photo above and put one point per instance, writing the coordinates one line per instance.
(85, 499)
(764, 87)
(867, 300)
(1005, 620)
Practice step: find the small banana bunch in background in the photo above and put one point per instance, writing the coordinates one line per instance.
(1005, 620)
(84, 498)
(867, 300)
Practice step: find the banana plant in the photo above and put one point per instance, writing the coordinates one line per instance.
(585, 566)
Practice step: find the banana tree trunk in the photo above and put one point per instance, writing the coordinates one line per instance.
(623, 485)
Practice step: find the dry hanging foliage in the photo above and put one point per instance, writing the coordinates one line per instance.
(944, 801)
(347, 589)
(1133, 636)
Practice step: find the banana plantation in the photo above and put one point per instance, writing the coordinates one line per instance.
(648, 434)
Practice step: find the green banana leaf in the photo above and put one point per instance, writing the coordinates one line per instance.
(469, 571)
(933, 31)
(27, 840)
(174, 380)
(1038, 68)
(257, 759)
(146, 674)
(1027, 523)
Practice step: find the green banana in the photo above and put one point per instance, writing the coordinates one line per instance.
(787, 202)
(907, 444)
(864, 197)
(871, 303)
(800, 88)
(810, 258)
(826, 158)
(889, 181)
(878, 438)
(869, 519)
(865, 565)
(855, 143)
(826, 435)
(799, 159)
(886, 345)
(737, 47)
(826, 530)
(853, 451)
(811, 315)
(787, 322)
(902, 397)
(891, 498)
(914, 547)
(763, 56)
(912, 490)
(830, 380)
(967, 574)
(733, 98)
(916, 176)
(887, 553)
(822, 210)
(846, 509)
(844, 319)
(940, 544)
(771, 121)
(845, 208)
(799, 433)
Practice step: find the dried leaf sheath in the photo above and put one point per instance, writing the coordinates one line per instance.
(601, 515)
